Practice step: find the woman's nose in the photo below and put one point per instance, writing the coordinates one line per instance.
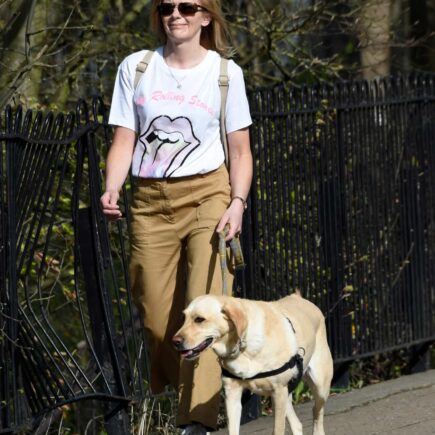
(176, 12)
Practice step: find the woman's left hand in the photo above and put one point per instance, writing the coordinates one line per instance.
(233, 217)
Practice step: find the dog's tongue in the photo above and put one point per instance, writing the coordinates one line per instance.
(187, 353)
(196, 350)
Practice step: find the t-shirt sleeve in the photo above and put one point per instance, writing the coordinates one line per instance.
(237, 115)
(123, 108)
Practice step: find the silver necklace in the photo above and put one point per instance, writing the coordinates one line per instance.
(179, 86)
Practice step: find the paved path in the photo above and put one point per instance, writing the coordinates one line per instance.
(403, 406)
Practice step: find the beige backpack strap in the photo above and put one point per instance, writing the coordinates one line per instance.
(223, 86)
(142, 66)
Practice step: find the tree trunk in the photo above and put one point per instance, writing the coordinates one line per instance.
(419, 18)
(14, 51)
(374, 35)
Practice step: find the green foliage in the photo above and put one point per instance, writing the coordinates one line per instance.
(66, 50)
(54, 52)
(378, 368)
(279, 41)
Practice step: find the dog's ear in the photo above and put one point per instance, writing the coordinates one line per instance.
(236, 314)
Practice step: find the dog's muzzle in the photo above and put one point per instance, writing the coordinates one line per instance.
(193, 353)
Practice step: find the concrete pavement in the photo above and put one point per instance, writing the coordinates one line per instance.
(403, 406)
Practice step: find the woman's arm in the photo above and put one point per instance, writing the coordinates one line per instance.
(240, 178)
(117, 166)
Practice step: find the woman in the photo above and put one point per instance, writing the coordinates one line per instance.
(167, 130)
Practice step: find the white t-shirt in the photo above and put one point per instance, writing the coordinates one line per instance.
(178, 129)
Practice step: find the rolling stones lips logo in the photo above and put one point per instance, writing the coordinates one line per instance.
(167, 144)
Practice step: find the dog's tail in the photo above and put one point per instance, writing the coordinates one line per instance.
(298, 292)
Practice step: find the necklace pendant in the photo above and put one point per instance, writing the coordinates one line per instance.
(178, 86)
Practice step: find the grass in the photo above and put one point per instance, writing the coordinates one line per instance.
(156, 416)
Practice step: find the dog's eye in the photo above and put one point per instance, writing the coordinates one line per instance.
(199, 319)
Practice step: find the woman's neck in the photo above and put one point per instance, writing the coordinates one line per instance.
(183, 56)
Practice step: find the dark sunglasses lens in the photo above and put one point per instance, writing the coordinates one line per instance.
(187, 8)
(165, 9)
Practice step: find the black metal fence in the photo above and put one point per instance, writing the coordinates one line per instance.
(342, 207)
(68, 330)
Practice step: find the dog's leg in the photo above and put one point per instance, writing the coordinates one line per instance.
(233, 405)
(292, 418)
(280, 404)
(320, 392)
(318, 377)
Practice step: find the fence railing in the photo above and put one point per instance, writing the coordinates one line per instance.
(68, 330)
(342, 207)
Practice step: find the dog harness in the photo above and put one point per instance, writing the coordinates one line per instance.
(295, 360)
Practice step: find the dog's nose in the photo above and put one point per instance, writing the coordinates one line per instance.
(177, 341)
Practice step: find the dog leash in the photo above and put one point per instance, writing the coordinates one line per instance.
(236, 250)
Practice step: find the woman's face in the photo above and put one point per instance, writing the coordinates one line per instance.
(184, 26)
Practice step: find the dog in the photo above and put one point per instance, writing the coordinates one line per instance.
(266, 347)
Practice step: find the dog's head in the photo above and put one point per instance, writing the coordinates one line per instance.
(210, 321)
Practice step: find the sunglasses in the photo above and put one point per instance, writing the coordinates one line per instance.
(185, 8)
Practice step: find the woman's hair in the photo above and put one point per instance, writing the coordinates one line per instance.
(213, 37)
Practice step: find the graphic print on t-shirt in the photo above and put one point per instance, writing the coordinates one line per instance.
(167, 144)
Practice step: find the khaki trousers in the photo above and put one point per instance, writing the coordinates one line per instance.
(174, 258)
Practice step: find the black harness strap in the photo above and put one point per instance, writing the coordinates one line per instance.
(295, 360)
(294, 381)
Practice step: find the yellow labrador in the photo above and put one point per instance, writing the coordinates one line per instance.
(264, 347)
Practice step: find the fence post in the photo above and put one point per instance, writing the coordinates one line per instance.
(419, 358)
(332, 227)
(341, 377)
(116, 418)
(251, 403)
(333, 223)
(11, 409)
(91, 251)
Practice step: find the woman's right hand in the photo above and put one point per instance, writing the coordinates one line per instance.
(109, 204)
(117, 165)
